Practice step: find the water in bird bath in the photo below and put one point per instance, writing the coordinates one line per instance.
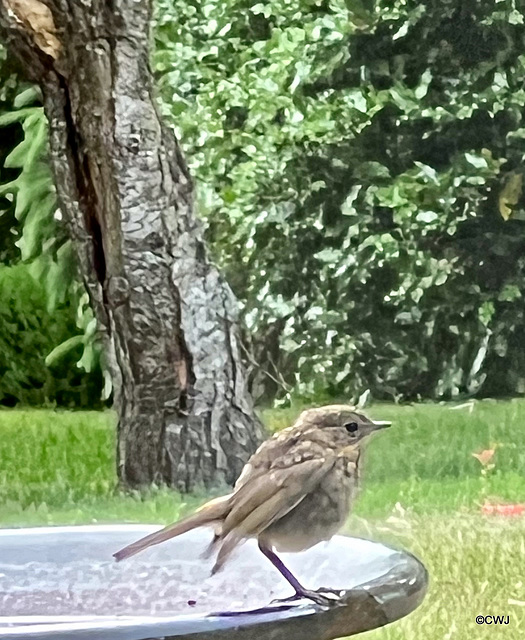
(68, 574)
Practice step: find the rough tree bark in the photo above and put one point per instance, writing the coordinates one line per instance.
(170, 321)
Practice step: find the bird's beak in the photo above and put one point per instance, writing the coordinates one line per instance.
(382, 424)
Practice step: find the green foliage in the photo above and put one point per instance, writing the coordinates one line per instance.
(32, 215)
(8, 140)
(28, 332)
(352, 160)
(32, 189)
(360, 172)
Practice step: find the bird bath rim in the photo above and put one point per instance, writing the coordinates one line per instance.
(373, 603)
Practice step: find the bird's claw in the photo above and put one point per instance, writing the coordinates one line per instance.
(319, 596)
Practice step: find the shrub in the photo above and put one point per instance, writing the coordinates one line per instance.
(28, 333)
(360, 168)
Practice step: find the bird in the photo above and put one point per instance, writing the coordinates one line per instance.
(295, 491)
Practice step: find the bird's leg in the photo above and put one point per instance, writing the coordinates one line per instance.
(300, 591)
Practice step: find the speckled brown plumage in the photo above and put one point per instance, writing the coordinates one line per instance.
(295, 491)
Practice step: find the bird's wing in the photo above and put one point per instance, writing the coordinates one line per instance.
(268, 453)
(263, 499)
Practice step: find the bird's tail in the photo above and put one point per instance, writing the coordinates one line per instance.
(213, 511)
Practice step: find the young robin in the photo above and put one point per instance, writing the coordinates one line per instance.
(295, 491)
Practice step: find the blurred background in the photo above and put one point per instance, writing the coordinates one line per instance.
(359, 169)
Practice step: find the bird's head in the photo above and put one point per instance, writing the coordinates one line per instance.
(340, 423)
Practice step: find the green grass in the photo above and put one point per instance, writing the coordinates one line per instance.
(58, 467)
(476, 568)
(422, 490)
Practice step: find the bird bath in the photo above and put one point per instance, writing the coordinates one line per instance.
(62, 583)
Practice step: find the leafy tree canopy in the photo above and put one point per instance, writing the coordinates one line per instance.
(360, 167)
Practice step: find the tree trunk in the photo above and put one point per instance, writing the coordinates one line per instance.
(170, 321)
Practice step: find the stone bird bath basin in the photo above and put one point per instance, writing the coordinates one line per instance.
(62, 583)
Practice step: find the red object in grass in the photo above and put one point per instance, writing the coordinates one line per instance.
(485, 456)
(503, 509)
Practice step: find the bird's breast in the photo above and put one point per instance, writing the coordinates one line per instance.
(320, 514)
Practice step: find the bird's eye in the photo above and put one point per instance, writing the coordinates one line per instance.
(351, 427)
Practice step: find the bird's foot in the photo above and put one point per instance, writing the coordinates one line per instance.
(323, 596)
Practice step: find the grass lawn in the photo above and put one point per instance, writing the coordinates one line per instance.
(422, 490)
